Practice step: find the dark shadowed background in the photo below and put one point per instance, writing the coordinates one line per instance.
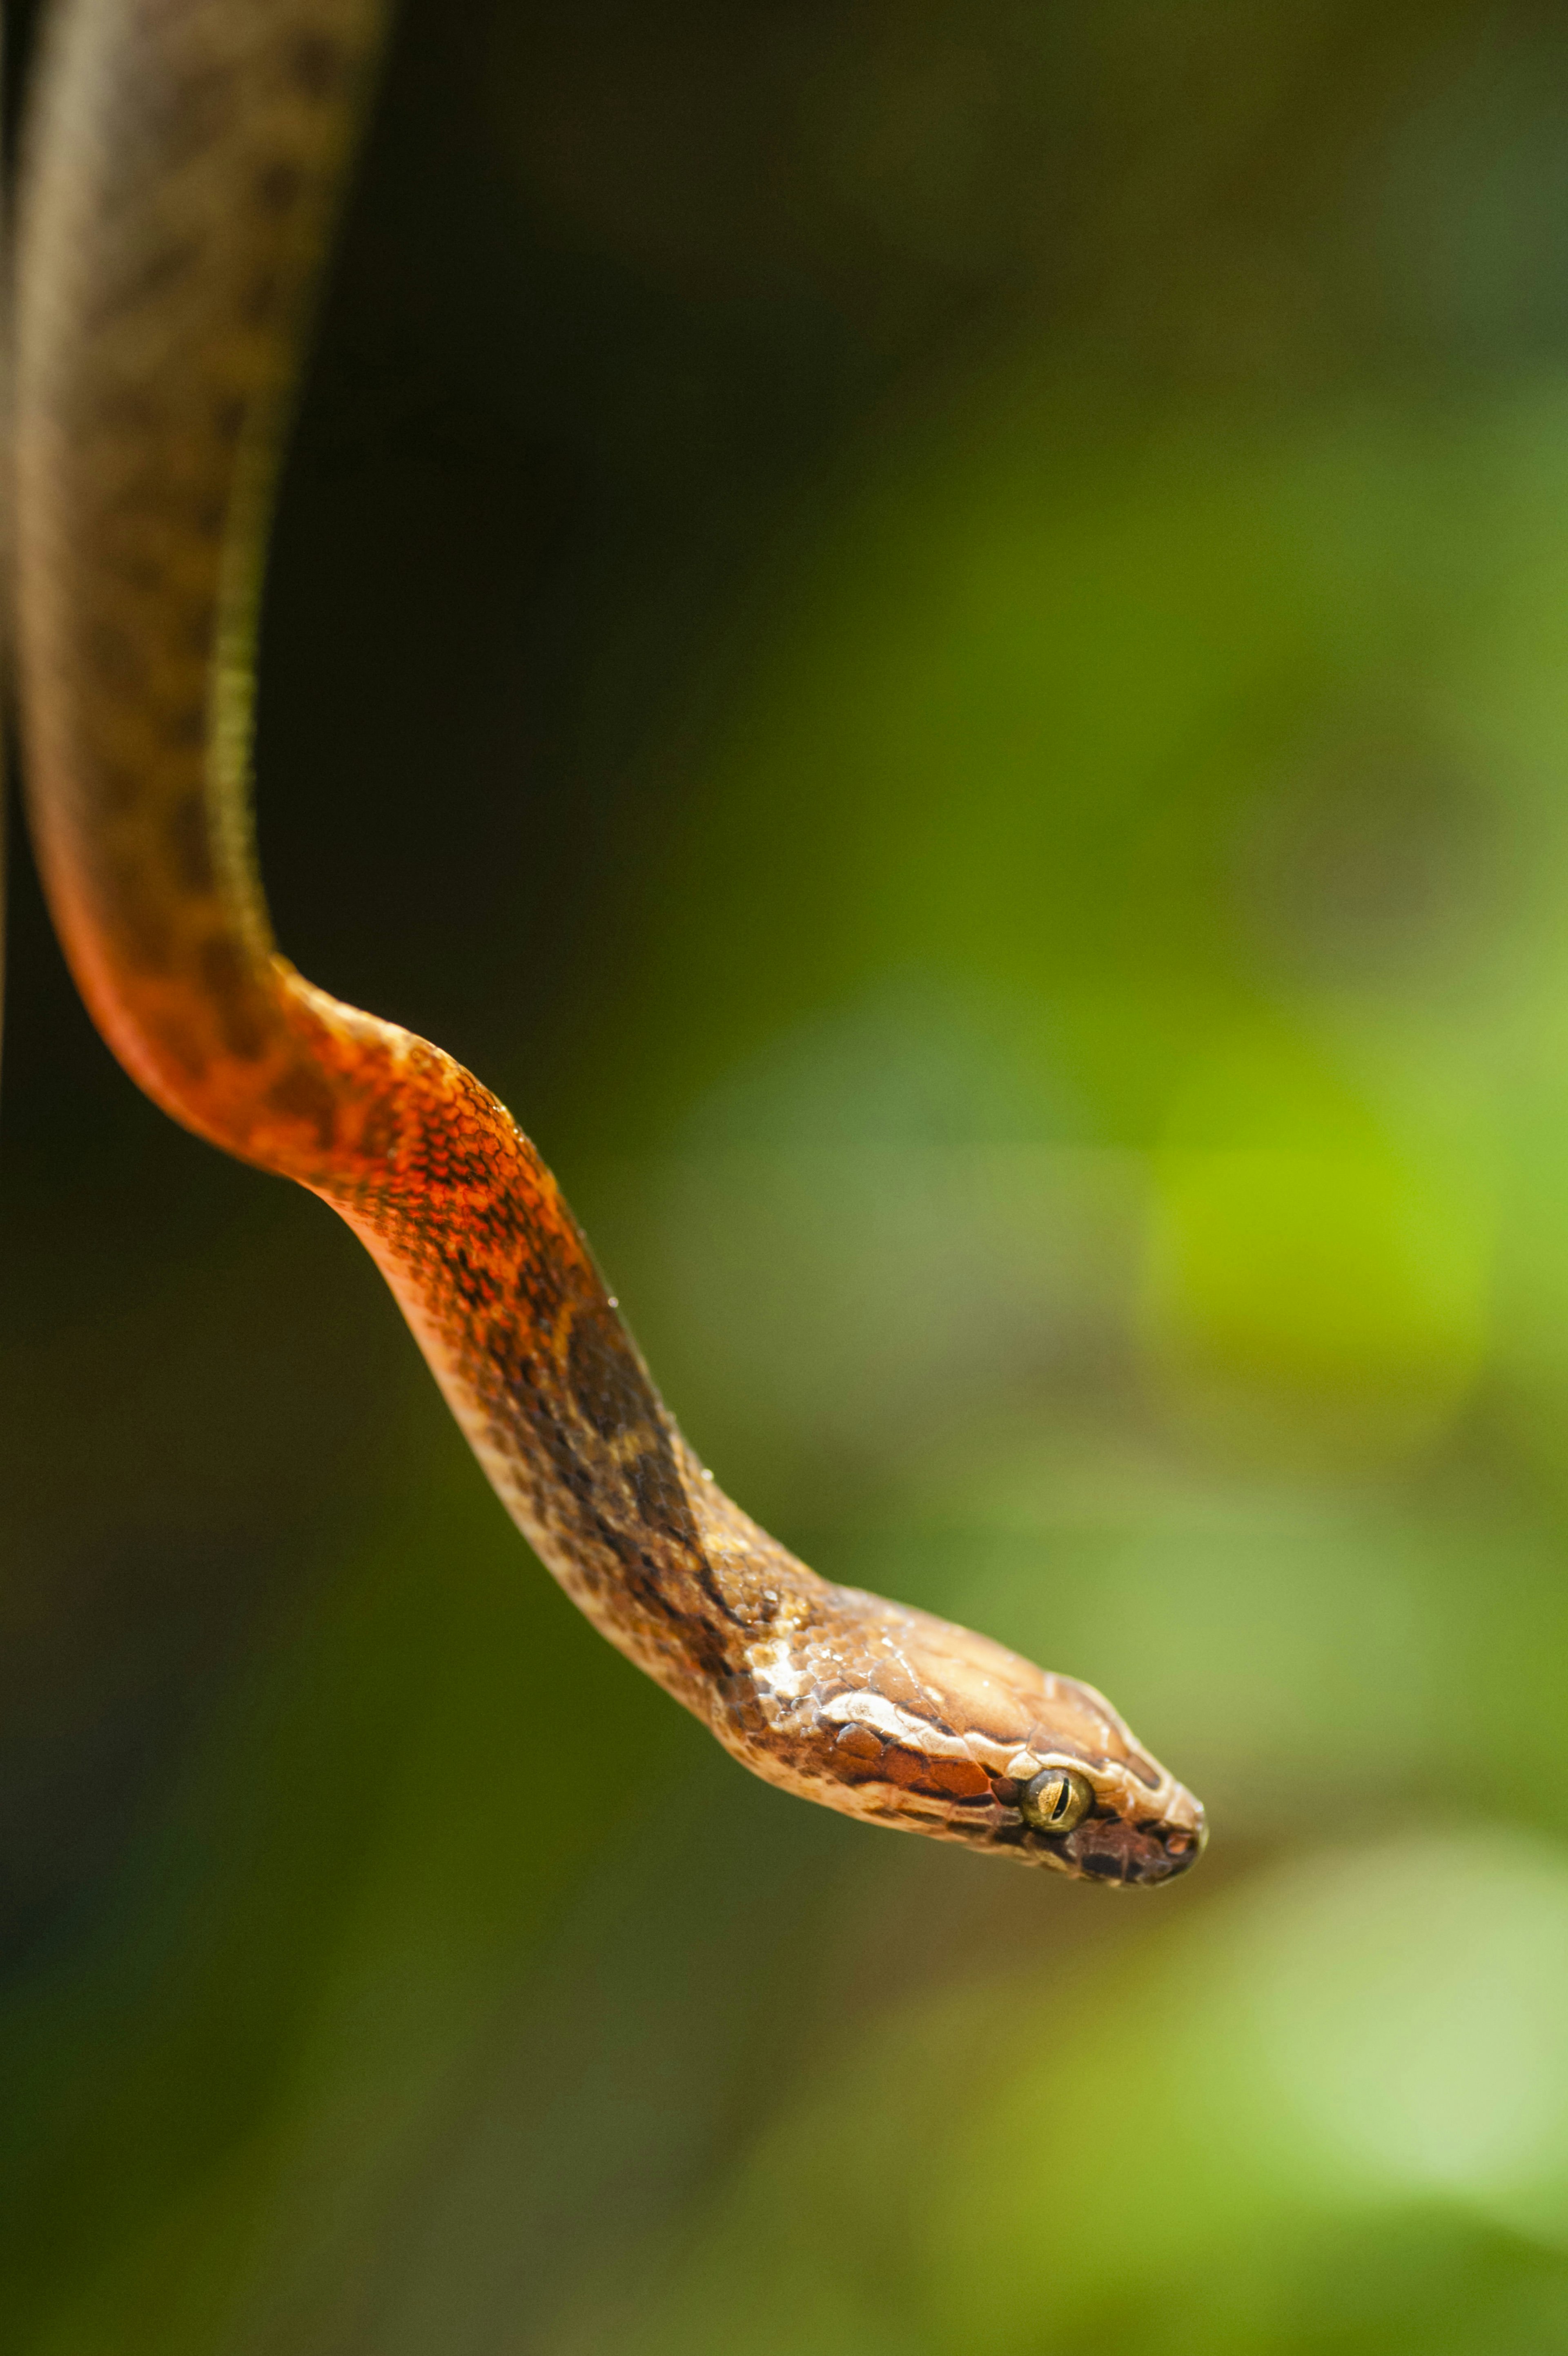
(936, 636)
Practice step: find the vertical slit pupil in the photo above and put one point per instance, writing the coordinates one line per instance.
(1062, 1801)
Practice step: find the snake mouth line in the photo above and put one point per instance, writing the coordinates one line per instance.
(1126, 1856)
(1102, 1865)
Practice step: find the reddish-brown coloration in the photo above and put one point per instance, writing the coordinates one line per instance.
(185, 162)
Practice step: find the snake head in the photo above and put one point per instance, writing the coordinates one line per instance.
(907, 1720)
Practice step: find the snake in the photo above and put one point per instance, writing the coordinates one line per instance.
(185, 165)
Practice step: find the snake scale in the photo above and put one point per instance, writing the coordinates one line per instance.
(184, 164)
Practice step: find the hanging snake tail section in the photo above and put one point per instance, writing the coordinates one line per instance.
(185, 167)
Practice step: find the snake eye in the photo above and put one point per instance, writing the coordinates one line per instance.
(1058, 1798)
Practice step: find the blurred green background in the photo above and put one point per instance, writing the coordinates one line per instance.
(936, 635)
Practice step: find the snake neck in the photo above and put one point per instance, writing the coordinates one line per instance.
(187, 164)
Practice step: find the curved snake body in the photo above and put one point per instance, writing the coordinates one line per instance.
(186, 159)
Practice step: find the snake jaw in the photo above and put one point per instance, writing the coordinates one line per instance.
(1124, 1853)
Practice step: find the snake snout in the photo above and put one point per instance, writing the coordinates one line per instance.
(1181, 1847)
(1128, 1854)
